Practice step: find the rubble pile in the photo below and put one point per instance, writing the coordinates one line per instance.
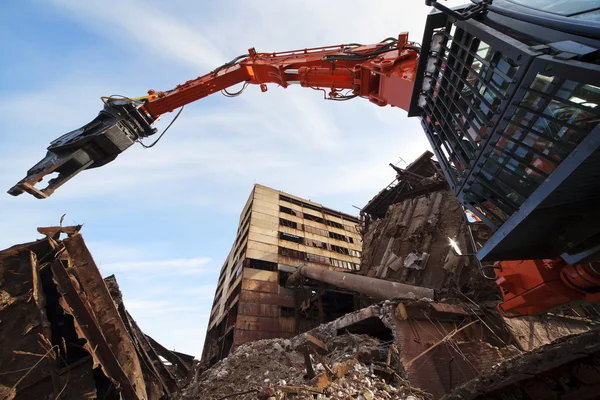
(349, 366)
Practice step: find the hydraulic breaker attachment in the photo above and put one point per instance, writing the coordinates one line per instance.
(120, 124)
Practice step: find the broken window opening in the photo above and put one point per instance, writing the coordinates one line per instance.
(238, 272)
(288, 223)
(300, 255)
(355, 253)
(291, 238)
(290, 200)
(315, 243)
(287, 210)
(337, 236)
(345, 264)
(314, 218)
(334, 224)
(339, 249)
(241, 240)
(260, 264)
(237, 290)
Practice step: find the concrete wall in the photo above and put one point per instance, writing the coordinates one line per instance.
(249, 299)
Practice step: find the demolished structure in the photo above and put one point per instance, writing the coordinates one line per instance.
(408, 227)
(277, 232)
(66, 333)
(416, 321)
(416, 237)
(399, 349)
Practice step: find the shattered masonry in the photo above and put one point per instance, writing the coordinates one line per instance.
(394, 350)
(442, 347)
(65, 332)
(408, 226)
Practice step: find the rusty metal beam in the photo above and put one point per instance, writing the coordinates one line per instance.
(378, 289)
(86, 324)
(159, 380)
(40, 301)
(101, 304)
(181, 366)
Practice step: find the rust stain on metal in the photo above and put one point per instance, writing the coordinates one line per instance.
(258, 310)
(40, 301)
(183, 367)
(62, 334)
(103, 310)
(87, 328)
(260, 286)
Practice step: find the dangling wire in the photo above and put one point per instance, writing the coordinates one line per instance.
(163, 132)
(227, 94)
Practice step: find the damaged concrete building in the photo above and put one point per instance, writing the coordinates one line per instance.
(66, 334)
(415, 234)
(277, 232)
(296, 316)
(409, 228)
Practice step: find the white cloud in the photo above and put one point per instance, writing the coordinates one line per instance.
(140, 24)
(176, 266)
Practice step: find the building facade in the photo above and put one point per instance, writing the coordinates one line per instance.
(277, 232)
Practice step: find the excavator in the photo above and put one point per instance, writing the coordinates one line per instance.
(508, 95)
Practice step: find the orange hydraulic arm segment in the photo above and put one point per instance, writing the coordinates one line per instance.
(383, 73)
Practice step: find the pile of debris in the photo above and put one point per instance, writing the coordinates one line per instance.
(349, 366)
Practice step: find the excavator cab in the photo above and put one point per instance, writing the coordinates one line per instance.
(119, 125)
(510, 103)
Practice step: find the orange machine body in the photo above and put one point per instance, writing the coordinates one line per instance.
(533, 286)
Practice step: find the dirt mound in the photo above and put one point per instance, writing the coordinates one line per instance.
(345, 367)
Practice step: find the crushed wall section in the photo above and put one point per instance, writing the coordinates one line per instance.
(411, 245)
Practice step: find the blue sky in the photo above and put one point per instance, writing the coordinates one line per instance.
(163, 219)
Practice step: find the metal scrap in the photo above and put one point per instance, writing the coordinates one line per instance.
(65, 335)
